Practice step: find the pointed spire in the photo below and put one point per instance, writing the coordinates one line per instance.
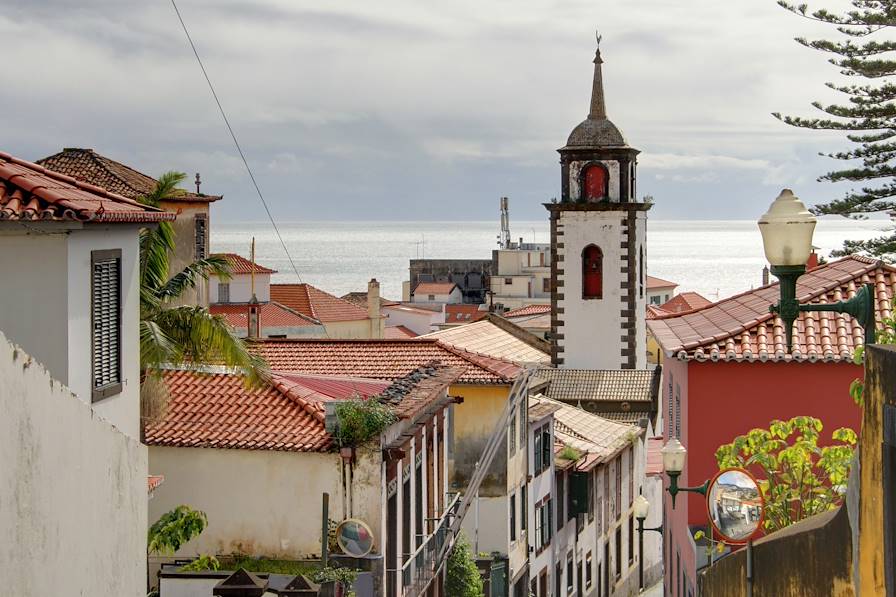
(598, 107)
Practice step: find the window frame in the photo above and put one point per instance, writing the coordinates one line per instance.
(512, 517)
(203, 218)
(112, 389)
(600, 272)
(226, 287)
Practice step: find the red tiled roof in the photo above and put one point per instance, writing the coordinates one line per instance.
(397, 332)
(219, 411)
(271, 314)
(380, 359)
(653, 283)
(685, 301)
(653, 312)
(527, 310)
(241, 265)
(463, 313)
(311, 301)
(434, 288)
(91, 167)
(153, 482)
(30, 192)
(740, 328)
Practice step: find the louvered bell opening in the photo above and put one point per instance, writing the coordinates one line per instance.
(106, 316)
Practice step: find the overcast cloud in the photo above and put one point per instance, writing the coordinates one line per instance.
(402, 109)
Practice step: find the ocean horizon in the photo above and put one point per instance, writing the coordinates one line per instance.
(716, 258)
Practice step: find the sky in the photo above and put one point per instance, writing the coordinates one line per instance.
(410, 110)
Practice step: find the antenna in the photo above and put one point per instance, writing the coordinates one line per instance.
(504, 237)
(252, 268)
(198, 182)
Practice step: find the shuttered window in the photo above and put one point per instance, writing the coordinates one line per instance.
(200, 237)
(105, 311)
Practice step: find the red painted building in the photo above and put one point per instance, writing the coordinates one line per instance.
(727, 372)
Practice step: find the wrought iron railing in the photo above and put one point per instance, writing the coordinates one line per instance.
(422, 566)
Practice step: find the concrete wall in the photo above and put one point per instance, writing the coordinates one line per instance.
(592, 331)
(185, 244)
(418, 321)
(808, 559)
(72, 491)
(241, 288)
(358, 329)
(474, 422)
(265, 503)
(452, 298)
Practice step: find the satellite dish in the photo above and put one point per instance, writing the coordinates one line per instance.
(354, 538)
(736, 505)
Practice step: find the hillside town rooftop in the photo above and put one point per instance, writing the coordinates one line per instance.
(315, 303)
(29, 192)
(241, 265)
(741, 328)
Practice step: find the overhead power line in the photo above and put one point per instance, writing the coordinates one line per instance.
(235, 141)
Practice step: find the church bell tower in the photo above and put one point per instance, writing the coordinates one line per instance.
(598, 243)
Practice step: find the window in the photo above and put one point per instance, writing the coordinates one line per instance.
(105, 315)
(513, 517)
(590, 498)
(655, 300)
(595, 182)
(588, 573)
(569, 586)
(541, 259)
(631, 540)
(223, 292)
(539, 530)
(524, 514)
(508, 281)
(678, 411)
(547, 447)
(599, 505)
(431, 297)
(523, 406)
(544, 520)
(200, 236)
(512, 439)
(618, 551)
(537, 450)
(546, 285)
(619, 486)
(592, 272)
(607, 518)
(631, 476)
(641, 271)
(558, 580)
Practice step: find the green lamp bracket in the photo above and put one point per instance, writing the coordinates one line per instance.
(674, 489)
(860, 306)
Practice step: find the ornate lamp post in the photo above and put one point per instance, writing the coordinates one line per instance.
(787, 229)
(642, 507)
(674, 455)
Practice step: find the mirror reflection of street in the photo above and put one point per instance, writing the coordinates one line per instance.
(735, 505)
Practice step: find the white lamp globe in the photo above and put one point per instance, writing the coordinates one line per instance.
(673, 456)
(642, 507)
(787, 229)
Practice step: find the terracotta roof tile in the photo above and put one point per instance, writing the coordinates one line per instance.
(741, 328)
(653, 312)
(272, 314)
(654, 283)
(313, 302)
(397, 332)
(685, 301)
(464, 313)
(359, 298)
(88, 166)
(380, 359)
(487, 338)
(30, 192)
(241, 265)
(527, 310)
(434, 288)
(606, 385)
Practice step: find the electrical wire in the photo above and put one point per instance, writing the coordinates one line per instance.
(236, 143)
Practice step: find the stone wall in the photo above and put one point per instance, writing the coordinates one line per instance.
(73, 490)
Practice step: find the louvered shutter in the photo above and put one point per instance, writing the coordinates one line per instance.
(106, 321)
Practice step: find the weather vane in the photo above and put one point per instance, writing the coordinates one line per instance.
(598, 36)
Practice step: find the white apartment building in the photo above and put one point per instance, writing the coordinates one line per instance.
(522, 275)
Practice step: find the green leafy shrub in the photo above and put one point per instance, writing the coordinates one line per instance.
(801, 478)
(270, 566)
(175, 528)
(203, 562)
(463, 578)
(344, 576)
(358, 421)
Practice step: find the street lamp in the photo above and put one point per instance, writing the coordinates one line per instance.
(673, 463)
(642, 507)
(787, 229)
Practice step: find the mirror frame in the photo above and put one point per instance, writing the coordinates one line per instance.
(715, 529)
(361, 523)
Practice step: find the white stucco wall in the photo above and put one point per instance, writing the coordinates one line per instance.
(72, 491)
(592, 329)
(451, 298)
(419, 321)
(45, 307)
(264, 503)
(241, 288)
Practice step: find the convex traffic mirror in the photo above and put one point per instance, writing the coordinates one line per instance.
(736, 506)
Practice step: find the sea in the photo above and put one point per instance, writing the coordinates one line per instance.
(715, 258)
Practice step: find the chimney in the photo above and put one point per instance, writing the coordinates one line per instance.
(254, 330)
(765, 275)
(813, 261)
(373, 299)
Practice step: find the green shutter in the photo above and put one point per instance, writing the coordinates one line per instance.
(578, 493)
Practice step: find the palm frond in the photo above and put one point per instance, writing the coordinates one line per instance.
(156, 245)
(166, 188)
(156, 348)
(192, 273)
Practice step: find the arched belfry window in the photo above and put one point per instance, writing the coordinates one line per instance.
(592, 272)
(595, 182)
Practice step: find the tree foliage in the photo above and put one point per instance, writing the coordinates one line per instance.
(798, 478)
(868, 117)
(181, 334)
(175, 528)
(463, 578)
